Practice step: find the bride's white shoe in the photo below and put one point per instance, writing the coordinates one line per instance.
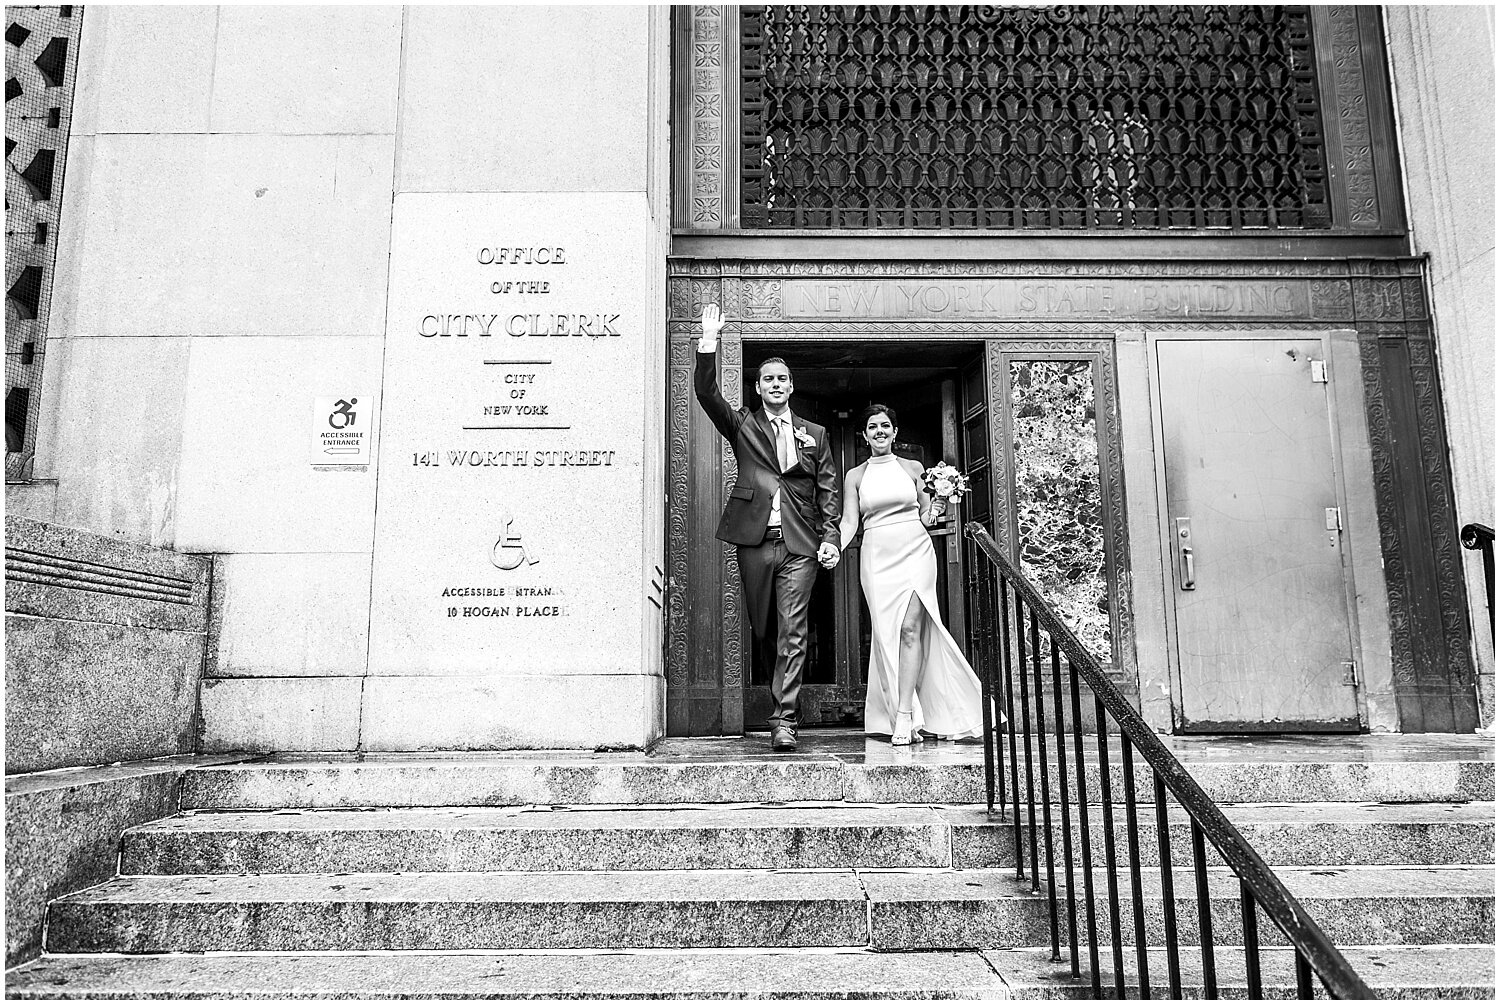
(902, 734)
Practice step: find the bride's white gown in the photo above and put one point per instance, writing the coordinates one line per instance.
(895, 561)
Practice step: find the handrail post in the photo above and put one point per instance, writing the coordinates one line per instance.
(1062, 800)
(1010, 725)
(1137, 888)
(982, 585)
(1046, 769)
(1084, 836)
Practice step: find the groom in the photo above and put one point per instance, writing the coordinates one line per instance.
(783, 513)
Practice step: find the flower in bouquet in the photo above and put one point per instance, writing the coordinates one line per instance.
(945, 481)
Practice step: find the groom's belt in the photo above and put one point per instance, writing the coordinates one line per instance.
(773, 533)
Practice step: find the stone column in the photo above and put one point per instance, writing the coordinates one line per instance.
(516, 589)
(1442, 62)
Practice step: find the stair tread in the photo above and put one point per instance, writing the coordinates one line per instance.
(867, 773)
(684, 973)
(659, 817)
(1469, 970)
(987, 974)
(480, 887)
(757, 815)
(1306, 883)
(1351, 813)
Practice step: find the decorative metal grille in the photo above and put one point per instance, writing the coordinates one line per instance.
(41, 52)
(1139, 117)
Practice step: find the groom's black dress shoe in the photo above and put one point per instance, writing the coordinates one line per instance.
(783, 739)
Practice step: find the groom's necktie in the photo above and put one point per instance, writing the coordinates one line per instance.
(782, 453)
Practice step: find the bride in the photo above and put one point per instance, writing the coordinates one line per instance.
(918, 678)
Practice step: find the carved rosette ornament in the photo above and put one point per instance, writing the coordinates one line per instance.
(1353, 116)
(680, 398)
(1331, 299)
(762, 301)
(707, 128)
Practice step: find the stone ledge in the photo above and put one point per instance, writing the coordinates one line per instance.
(62, 572)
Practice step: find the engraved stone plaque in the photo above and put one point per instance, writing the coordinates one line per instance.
(508, 535)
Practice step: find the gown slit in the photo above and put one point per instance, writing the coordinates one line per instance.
(897, 562)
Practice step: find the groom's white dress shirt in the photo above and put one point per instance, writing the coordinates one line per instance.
(781, 425)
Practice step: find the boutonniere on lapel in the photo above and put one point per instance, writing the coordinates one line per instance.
(803, 437)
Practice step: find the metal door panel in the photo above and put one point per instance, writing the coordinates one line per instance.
(1258, 575)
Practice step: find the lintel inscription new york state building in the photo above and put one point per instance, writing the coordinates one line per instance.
(1061, 299)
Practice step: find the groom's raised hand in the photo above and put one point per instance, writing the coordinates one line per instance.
(713, 323)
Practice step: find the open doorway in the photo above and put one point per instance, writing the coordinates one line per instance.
(929, 386)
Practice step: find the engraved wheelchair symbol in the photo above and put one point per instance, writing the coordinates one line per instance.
(508, 552)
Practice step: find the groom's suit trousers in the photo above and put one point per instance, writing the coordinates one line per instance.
(772, 576)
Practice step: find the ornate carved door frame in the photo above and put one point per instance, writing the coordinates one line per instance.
(707, 655)
(1100, 354)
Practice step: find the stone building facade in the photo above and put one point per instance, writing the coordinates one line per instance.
(388, 312)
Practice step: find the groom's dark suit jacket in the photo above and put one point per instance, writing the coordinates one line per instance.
(809, 491)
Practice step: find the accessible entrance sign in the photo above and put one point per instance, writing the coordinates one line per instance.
(341, 429)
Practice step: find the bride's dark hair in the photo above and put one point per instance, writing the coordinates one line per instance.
(874, 410)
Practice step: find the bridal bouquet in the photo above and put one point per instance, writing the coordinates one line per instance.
(944, 481)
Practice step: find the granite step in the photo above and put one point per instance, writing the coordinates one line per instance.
(765, 974)
(1407, 972)
(532, 840)
(726, 836)
(1329, 834)
(951, 773)
(455, 911)
(985, 909)
(1413, 973)
(1225, 781)
(320, 783)
(886, 910)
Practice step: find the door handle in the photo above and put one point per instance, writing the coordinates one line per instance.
(1183, 541)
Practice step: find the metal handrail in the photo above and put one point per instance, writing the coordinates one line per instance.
(1001, 652)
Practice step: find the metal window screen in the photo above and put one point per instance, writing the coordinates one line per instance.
(41, 53)
(1132, 118)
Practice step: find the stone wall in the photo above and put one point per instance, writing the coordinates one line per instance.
(1443, 62)
(227, 260)
(104, 643)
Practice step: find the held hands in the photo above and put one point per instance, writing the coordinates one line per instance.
(713, 323)
(828, 555)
